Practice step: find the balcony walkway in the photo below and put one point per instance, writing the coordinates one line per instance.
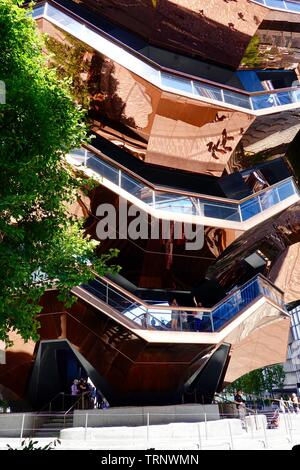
(184, 206)
(158, 317)
(169, 80)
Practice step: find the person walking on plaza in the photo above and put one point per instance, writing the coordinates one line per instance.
(290, 405)
(295, 403)
(282, 406)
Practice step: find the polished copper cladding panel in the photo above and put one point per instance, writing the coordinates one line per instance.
(14, 373)
(133, 365)
(271, 134)
(197, 28)
(285, 272)
(264, 345)
(272, 237)
(154, 125)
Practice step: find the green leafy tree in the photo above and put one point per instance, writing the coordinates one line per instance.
(274, 377)
(258, 381)
(41, 244)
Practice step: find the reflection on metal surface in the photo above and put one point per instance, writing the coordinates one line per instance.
(147, 350)
(153, 125)
(265, 345)
(144, 366)
(272, 237)
(199, 29)
(285, 272)
(15, 370)
(163, 119)
(253, 103)
(271, 132)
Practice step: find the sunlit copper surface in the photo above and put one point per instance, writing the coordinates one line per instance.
(285, 272)
(194, 27)
(15, 372)
(158, 127)
(265, 345)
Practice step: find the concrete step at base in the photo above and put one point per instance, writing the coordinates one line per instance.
(46, 434)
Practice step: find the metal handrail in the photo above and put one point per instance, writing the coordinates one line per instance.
(186, 308)
(162, 188)
(231, 402)
(77, 401)
(165, 69)
(49, 404)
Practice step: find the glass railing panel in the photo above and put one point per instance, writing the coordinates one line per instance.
(66, 22)
(264, 101)
(58, 16)
(235, 303)
(276, 4)
(199, 322)
(272, 293)
(179, 321)
(174, 203)
(133, 186)
(250, 208)
(293, 6)
(286, 97)
(217, 210)
(208, 91)
(37, 11)
(103, 169)
(268, 199)
(123, 304)
(237, 99)
(177, 83)
(164, 318)
(78, 155)
(286, 190)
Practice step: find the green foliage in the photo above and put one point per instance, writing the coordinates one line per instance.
(252, 57)
(4, 404)
(69, 60)
(274, 377)
(259, 380)
(39, 124)
(32, 445)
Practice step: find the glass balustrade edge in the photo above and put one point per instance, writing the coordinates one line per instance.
(196, 89)
(162, 201)
(164, 318)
